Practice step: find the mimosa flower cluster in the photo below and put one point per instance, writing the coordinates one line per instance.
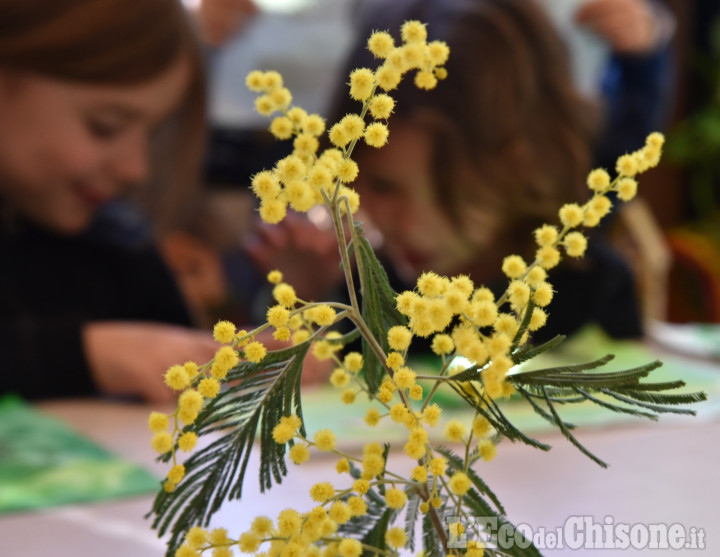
(459, 318)
(467, 321)
(195, 385)
(306, 178)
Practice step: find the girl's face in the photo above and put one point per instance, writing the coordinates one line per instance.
(398, 195)
(66, 148)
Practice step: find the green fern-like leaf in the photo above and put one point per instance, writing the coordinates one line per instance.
(259, 395)
(639, 393)
(524, 324)
(378, 308)
(615, 407)
(491, 411)
(539, 410)
(457, 463)
(369, 526)
(432, 544)
(477, 507)
(412, 512)
(526, 375)
(637, 398)
(528, 351)
(568, 435)
(577, 383)
(375, 537)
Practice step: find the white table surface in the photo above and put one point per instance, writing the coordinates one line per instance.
(659, 472)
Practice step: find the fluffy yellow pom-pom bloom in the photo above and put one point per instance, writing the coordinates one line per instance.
(322, 491)
(187, 441)
(361, 84)
(299, 454)
(209, 387)
(255, 352)
(395, 498)
(281, 127)
(372, 417)
(285, 294)
(283, 432)
(388, 77)
(381, 106)
(396, 537)
(455, 431)
(442, 344)
(376, 134)
(249, 542)
(399, 337)
(438, 52)
(413, 31)
(158, 422)
(381, 44)
(547, 257)
(575, 244)
(353, 362)
(571, 215)
(177, 378)
(626, 189)
(598, 180)
(425, 80)
(349, 547)
(460, 483)
(514, 266)
(162, 442)
(272, 211)
(325, 440)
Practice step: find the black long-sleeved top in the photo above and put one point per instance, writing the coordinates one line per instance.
(52, 285)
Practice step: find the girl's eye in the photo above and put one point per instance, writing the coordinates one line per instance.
(380, 186)
(102, 129)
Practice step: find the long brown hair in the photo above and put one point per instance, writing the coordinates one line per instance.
(512, 136)
(118, 42)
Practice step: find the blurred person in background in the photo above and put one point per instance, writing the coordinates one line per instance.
(99, 99)
(475, 165)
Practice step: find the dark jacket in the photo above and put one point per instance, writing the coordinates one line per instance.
(52, 285)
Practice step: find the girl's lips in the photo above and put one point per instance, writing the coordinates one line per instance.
(91, 197)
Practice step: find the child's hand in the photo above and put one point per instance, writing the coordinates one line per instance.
(306, 254)
(198, 269)
(629, 26)
(131, 358)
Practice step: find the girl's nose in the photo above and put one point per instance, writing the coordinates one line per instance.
(132, 166)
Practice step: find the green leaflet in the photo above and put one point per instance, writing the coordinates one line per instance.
(524, 324)
(432, 545)
(479, 508)
(370, 529)
(375, 537)
(378, 308)
(528, 351)
(497, 419)
(412, 512)
(565, 430)
(259, 395)
(456, 463)
(573, 384)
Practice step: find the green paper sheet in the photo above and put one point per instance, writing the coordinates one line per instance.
(323, 407)
(44, 463)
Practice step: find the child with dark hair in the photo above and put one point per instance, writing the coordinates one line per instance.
(474, 166)
(97, 98)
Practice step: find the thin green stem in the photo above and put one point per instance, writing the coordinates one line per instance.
(441, 377)
(355, 240)
(344, 256)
